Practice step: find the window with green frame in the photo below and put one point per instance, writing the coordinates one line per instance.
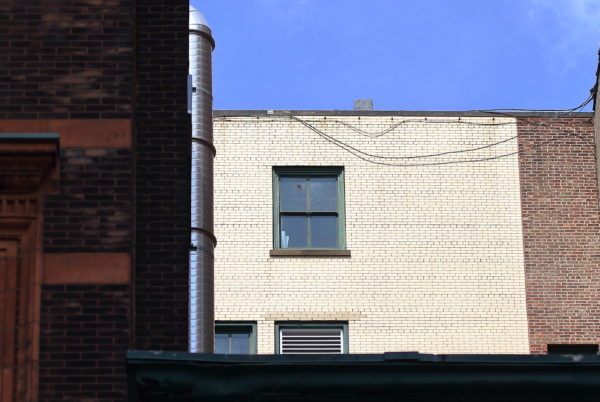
(235, 338)
(308, 208)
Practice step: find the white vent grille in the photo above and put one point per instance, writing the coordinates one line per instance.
(316, 340)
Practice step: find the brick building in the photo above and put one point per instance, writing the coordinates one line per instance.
(471, 238)
(491, 250)
(437, 232)
(95, 151)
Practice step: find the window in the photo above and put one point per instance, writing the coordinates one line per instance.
(572, 349)
(235, 338)
(308, 208)
(311, 338)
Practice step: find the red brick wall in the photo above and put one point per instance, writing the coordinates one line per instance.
(559, 196)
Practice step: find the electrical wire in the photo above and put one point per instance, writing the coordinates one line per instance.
(566, 112)
(581, 106)
(405, 121)
(406, 157)
(496, 111)
(306, 123)
(373, 134)
(356, 153)
(365, 156)
(376, 135)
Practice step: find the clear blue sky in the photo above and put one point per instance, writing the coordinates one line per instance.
(404, 54)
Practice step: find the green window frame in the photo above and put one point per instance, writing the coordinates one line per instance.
(228, 331)
(322, 213)
(312, 325)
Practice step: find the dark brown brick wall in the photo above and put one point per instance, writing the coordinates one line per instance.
(66, 58)
(75, 59)
(559, 196)
(92, 211)
(83, 340)
(163, 164)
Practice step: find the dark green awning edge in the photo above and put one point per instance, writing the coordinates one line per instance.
(162, 376)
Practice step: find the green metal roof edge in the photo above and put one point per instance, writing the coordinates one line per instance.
(168, 376)
(390, 357)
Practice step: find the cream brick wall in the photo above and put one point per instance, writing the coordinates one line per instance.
(437, 254)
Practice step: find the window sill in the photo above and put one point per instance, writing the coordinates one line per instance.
(309, 253)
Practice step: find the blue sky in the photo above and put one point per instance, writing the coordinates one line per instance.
(405, 55)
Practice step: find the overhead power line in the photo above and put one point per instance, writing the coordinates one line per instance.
(573, 109)
(406, 121)
(369, 157)
(361, 155)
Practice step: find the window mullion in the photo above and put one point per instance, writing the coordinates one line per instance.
(308, 207)
(308, 229)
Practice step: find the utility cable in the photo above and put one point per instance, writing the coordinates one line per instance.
(566, 112)
(306, 123)
(574, 109)
(326, 136)
(356, 153)
(405, 121)
(365, 156)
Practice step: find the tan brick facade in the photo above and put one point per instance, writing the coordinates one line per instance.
(437, 251)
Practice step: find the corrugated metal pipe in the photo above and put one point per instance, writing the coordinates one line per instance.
(201, 321)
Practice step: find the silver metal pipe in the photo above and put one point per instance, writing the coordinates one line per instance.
(201, 292)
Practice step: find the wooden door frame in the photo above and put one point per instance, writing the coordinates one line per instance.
(24, 232)
(29, 169)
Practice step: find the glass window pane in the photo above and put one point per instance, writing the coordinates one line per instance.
(324, 231)
(293, 231)
(292, 193)
(222, 344)
(240, 344)
(323, 194)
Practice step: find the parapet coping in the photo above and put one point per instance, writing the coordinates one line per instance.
(425, 113)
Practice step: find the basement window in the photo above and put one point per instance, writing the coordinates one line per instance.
(572, 349)
(235, 338)
(311, 338)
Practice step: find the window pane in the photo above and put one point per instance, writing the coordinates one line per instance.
(240, 344)
(293, 231)
(292, 193)
(324, 231)
(323, 194)
(222, 344)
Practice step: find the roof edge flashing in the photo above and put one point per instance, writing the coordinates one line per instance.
(392, 113)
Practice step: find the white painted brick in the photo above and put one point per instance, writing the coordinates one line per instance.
(437, 254)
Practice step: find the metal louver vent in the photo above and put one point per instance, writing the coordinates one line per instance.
(316, 340)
